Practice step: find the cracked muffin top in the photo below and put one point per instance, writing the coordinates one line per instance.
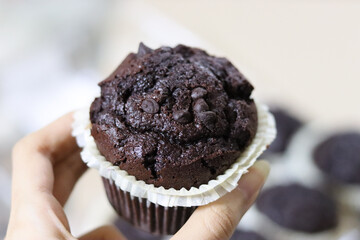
(174, 117)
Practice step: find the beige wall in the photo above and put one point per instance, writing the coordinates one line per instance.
(302, 54)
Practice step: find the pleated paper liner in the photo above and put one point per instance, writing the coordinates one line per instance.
(148, 206)
(144, 214)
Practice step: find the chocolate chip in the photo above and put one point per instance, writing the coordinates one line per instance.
(182, 116)
(119, 124)
(200, 105)
(166, 49)
(143, 49)
(208, 118)
(198, 92)
(150, 106)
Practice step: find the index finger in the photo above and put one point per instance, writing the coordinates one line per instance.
(54, 141)
(218, 219)
(35, 155)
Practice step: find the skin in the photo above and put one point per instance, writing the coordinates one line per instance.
(47, 165)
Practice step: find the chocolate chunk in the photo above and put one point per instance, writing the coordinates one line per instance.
(200, 105)
(143, 49)
(150, 106)
(165, 49)
(208, 118)
(182, 116)
(198, 92)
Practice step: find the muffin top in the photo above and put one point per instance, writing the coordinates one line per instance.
(299, 208)
(174, 117)
(339, 157)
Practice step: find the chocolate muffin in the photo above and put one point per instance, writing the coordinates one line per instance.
(286, 126)
(246, 235)
(174, 117)
(339, 157)
(298, 208)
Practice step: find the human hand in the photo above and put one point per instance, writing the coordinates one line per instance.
(219, 219)
(46, 166)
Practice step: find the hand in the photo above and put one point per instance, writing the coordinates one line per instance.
(219, 219)
(46, 166)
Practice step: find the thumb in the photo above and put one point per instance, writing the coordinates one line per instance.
(219, 219)
(103, 233)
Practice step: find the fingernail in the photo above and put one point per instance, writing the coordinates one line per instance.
(251, 183)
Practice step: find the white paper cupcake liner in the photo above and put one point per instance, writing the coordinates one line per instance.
(202, 195)
(301, 167)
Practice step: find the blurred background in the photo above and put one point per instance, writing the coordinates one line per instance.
(301, 55)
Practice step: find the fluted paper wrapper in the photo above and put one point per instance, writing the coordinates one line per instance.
(119, 183)
(144, 214)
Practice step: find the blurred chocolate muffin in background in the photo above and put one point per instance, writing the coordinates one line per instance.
(298, 208)
(339, 157)
(286, 125)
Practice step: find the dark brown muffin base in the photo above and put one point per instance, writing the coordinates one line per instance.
(145, 215)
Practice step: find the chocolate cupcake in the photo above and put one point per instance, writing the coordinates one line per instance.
(172, 126)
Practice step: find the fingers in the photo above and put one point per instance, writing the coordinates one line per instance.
(219, 219)
(67, 172)
(35, 155)
(53, 141)
(46, 165)
(104, 233)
